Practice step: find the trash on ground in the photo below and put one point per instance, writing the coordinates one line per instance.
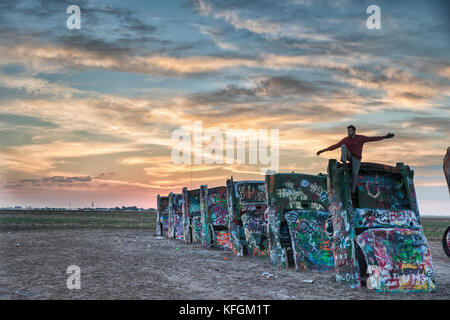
(268, 275)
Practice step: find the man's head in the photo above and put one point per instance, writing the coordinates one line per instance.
(351, 130)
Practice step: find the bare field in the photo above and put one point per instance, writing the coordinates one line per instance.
(123, 263)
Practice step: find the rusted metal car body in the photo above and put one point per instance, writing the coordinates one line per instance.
(175, 225)
(297, 216)
(247, 220)
(378, 234)
(191, 216)
(214, 217)
(162, 216)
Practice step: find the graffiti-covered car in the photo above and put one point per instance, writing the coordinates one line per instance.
(297, 218)
(191, 216)
(247, 220)
(162, 216)
(446, 167)
(378, 235)
(214, 217)
(175, 225)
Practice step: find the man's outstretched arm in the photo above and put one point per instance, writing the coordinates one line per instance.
(330, 148)
(369, 139)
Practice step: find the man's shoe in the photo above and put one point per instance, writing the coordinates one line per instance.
(345, 164)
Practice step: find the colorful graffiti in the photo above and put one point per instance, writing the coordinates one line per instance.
(204, 217)
(194, 200)
(194, 209)
(254, 221)
(214, 216)
(191, 215)
(382, 190)
(382, 218)
(298, 191)
(385, 223)
(312, 223)
(196, 228)
(175, 223)
(162, 216)
(237, 235)
(222, 240)
(186, 217)
(344, 251)
(312, 247)
(248, 222)
(218, 208)
(296, 201)
(250, 192)
(397, 259)
(280, 246)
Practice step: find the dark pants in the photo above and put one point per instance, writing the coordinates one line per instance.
(347, 156)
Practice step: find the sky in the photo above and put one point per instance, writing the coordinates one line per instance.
(88, 115)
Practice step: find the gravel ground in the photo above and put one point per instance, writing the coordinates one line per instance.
(135, 264)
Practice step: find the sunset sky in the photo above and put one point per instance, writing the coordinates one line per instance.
(87, 115)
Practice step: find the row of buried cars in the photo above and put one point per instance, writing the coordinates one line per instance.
(310, 222)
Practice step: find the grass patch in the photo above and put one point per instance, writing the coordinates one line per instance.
(48, 219)
(434, 228)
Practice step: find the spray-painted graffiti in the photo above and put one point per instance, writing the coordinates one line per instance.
(175, 224)
(194, 200)
(186, 216)
(382, 218)
(251, 192)
(312, 247)
(300, 191)
(297, 216)
(254, 221)
(204, 217)
(222, 240)
(196, 229)
(217, 203)
(214, 216)
(237, 234)
(162, 216)
(191, 215)
(345, 262)
(398, 260)
(382, 190)
(280, 247)
(248, 222)
(385, 213)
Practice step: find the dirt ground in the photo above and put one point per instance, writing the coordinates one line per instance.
(136, 264)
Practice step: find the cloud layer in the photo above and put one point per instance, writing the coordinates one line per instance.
(77, 104)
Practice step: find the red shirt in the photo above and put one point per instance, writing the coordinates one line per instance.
(355, 144)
